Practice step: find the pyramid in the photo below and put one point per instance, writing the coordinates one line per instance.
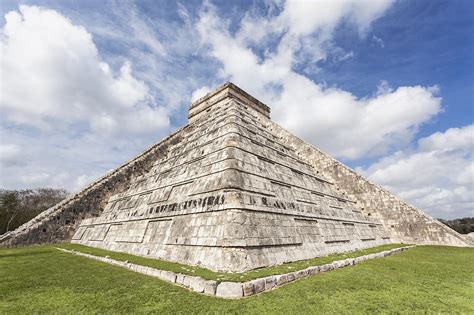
(233, 191)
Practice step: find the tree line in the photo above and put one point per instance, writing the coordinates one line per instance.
(20, 206)
(462, 226)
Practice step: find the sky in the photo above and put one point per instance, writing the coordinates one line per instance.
(386, 87)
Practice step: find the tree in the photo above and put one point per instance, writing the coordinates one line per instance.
(11, 206)
(20, 206)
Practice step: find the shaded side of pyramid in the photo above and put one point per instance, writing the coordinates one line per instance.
(233, 191)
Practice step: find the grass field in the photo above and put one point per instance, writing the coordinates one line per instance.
(211, 275)
(431, 279)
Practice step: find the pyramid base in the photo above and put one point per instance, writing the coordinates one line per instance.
(231, 240)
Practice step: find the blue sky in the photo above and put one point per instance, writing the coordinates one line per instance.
(384, 86)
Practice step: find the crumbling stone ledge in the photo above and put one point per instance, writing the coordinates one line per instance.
(236, 290)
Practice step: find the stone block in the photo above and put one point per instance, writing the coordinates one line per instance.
(270, 283)
(259, 285)
(281, 279)
(248, 288)
(313, 270)
(195, 283)
(301, 273)
(154, 272)
(210, 287)
(290, 276)
(230, 290)
(180, 279)
(326, 267)
(168, 276)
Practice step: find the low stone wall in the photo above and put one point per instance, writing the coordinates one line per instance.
(59, 223)
(236, 290)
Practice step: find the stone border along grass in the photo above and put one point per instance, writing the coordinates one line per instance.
(236, 290)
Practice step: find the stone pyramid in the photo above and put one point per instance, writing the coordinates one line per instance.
(233, 191)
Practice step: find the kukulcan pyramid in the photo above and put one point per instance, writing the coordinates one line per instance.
(233, 191)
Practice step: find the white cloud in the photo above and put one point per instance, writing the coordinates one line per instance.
(52, 73)
(333, 119)
(349, 127)
(438, 176)
(66, 113)
(34, 178)
(58, 158)
(9, 154)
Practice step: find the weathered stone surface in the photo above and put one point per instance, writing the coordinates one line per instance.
(168, 276)
(180, 279)
(232, 191)
(259, 285)
(290, 277)
(270, 282)
(313, 270)
(196, 283)
(231, 290)
(302, 273)
(326, 267)
(281, 279)
(248, 288)
(210, 287)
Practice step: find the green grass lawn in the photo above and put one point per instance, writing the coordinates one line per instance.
(431, 279)
(236, 277)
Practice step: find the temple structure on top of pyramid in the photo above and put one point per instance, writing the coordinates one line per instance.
(233, 191)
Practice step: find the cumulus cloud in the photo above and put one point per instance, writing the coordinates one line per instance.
(333, 119)
(66, 114)
(52, 73)
(437, 176)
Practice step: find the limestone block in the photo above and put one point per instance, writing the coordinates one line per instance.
(195, 283)
(155, 272)
(326, 267)
(186, 280)
(294, 275)
(281, 279)
(313, 270)
(248, 288)
(180, 279)
(210, 287)
(270, 283)
(301, 273)
(259, 285)
(168, 276)
(290, 276)
(231, 290)
(338, 264)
